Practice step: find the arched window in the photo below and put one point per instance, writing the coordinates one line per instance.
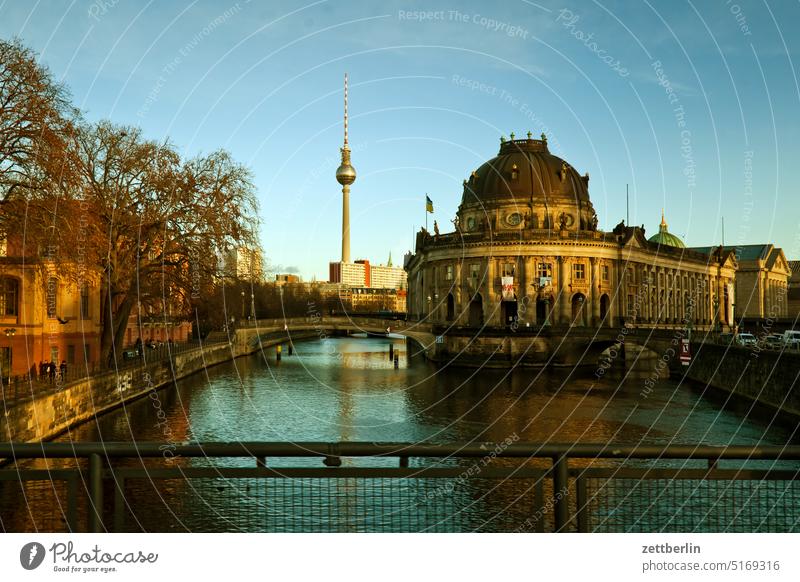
(9, 296)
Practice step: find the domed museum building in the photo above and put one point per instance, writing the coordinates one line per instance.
(526, 252)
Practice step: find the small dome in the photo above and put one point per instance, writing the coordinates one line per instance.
(666, 238)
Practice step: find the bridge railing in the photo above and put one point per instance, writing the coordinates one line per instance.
(352, 486)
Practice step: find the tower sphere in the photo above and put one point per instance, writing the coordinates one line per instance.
(345, 173)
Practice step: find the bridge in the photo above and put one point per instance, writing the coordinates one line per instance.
(550, 345)
(264, 333)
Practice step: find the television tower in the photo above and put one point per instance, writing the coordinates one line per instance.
(345, 175)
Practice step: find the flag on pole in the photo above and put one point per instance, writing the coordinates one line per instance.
(428, 204)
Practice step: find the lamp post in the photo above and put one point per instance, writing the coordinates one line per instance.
(253, 306)
(242, 304)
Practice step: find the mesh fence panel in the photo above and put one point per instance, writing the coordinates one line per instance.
(329, 505)
(37, 506)
(692, 505)
(140, 501)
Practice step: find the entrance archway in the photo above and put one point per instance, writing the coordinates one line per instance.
(451, 307)
(542, 310)
(604, 304)
(578, 309)
(476, 311)
(509, 310)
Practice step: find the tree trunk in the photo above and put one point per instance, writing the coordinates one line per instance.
(121, 322)
(106, 332)
(114, 324)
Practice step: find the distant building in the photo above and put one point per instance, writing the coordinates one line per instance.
(372, 300)
(284, 279)
(762, 281)
(355, 274)
(362, 274)
(388, 276)
(244, 263)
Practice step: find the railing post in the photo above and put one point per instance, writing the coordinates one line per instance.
(560, 472)
(95, 493)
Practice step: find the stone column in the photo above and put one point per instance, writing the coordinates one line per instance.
(672, 289)
(459, 307)
(490, 304)
(561, 294)
(594, 295)
(527, 299)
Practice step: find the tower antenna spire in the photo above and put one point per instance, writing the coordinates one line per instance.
(345, 110)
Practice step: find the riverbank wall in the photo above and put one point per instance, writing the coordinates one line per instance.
(769, 379)
(47, 415)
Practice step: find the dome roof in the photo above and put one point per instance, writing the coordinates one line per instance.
(525, 170)
(666, 238)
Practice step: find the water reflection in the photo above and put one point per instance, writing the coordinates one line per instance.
(349, 389)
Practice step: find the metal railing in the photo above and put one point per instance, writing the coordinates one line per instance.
(20, 388)
(349, 486)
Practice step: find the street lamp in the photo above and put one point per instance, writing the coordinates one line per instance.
(242, 304)
(253, 306)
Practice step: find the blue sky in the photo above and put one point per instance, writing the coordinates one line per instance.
(695, 105)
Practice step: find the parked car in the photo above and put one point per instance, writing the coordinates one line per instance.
(746, 339)
(130, 354)
(791, 339)
(773, 342)
(726, 338)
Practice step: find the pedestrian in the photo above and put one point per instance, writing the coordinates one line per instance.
(51, 371)
(42, 370)
(63, 369)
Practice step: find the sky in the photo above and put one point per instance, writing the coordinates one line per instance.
(694, 105)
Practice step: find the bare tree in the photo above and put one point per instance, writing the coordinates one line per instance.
(163, 222)
(35, 124)
(152, 223)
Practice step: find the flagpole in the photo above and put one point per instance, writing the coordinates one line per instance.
(426, 212)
